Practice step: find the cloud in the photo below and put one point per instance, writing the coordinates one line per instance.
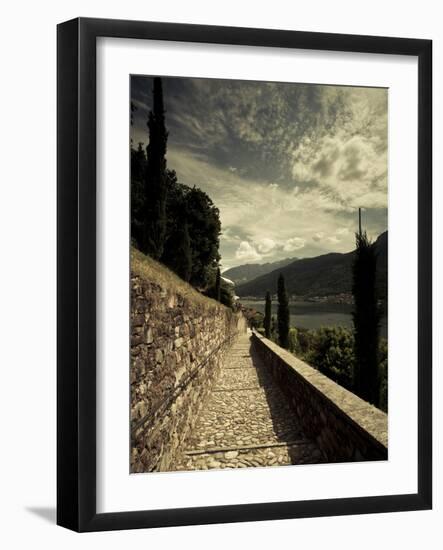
(296, 243)
(352, 170)
(342, 231)
(258, 126)
(318, 236)
(271, 220)
(246, 252)
(333, 239)
(266, 245)
(287, 165)
(350, 161)
(255, 251)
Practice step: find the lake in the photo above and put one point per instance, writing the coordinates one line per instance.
(311, 315)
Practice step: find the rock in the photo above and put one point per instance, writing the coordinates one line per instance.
(158, 356)
(136, 340)
(138, 320)
(178, 342)
(179, 373)
(149, 337)
(231, 454)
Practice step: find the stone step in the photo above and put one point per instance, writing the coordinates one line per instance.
(194, 452)
(252, 388)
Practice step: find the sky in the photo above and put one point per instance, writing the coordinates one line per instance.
(288, 165)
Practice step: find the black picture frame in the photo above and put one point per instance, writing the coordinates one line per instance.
(76, 281)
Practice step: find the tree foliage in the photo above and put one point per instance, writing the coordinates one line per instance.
(267, 319)
(383, 375)
(293, 340)
(217, 288)
(154, 227)
(226, 295)
(332, 353)
(331, 350)
(204, 230)
(282, 313)
(193, 207)
(254, 318)
(274, 333)
(178, 254)
(173, 223)
(138, 168)
(366, 318)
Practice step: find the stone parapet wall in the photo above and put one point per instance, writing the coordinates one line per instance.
(177, 346)
(345, 427)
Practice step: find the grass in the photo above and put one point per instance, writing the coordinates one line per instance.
(155, 272)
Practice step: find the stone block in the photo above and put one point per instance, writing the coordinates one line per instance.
(178, 342)
(149, 336)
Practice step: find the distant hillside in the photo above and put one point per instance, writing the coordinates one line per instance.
(320, 276)
(245, 273)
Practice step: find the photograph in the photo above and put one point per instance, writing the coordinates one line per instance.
(223, 236)
(259, 253)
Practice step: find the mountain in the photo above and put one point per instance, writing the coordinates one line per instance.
(324, 275)
(244, 273)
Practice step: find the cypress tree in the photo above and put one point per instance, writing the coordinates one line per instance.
(274, 335)
(178, 252)
(138, 169)
(282, 313)
(154, 229)
(267, 319)
(366, 318)
(132, 110)
(217, 291)
(183, 251)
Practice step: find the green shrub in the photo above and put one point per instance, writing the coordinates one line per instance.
(383, 374)
(293, 340)
(331, 351)
(333, 354)
(304, 340)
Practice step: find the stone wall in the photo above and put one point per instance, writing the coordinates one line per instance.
(345, 427)
(178, 340)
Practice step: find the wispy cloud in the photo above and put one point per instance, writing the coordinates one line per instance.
(287, 165)
(273, 222)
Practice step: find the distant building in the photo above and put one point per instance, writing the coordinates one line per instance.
(228, 281)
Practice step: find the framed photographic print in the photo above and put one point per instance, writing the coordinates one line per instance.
(244, 274)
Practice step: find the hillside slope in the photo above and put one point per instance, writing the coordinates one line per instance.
(247, 272)
(151, 270)
(320, 276)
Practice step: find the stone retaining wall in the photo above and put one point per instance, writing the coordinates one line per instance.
(345, 427)
(177, 345)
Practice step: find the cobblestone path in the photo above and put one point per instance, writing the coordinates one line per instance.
(246, 421)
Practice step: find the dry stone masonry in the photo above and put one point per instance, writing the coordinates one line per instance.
(345, 427)
(177, 346)
(207, 394)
